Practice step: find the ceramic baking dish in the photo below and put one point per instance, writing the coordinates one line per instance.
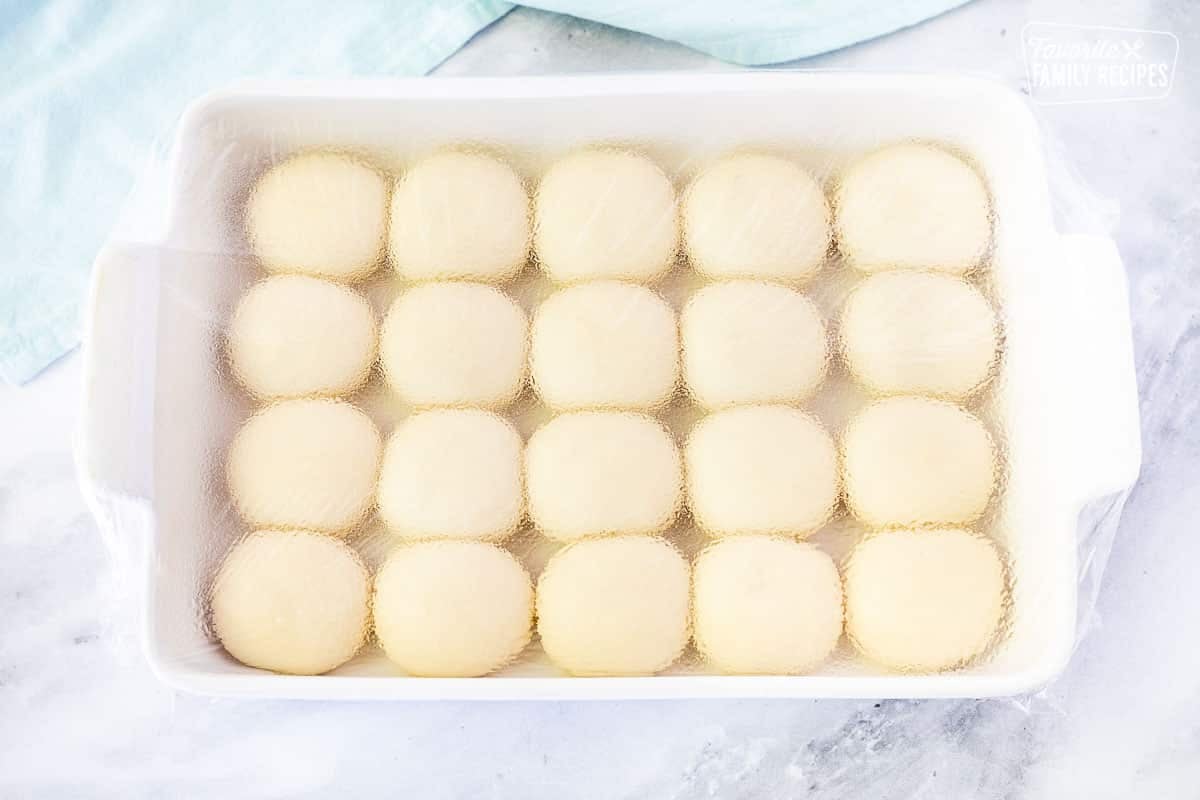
(159, 409)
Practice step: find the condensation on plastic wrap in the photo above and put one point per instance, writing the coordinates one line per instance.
(1054, 389)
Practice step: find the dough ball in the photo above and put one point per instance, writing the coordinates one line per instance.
(452, 474)
(305, 464)
(756, 216)
(452, 609)
(913, 206)
(291, 601)
(604, 345)
(463, 215)
(915, 461)
(292, 336)
(319, 214)
(750, 342)
(761, 469)
(455, 344)
(923, 600)
(600, 472)
(614, 606)
(605, 214)
(766, 605)
(919, 333)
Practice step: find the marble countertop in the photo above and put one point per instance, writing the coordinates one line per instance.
(81, 715)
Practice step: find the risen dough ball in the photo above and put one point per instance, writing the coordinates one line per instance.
(765, 605)
(614, 606)
(454, 344)
(923, 600)
(452, 609)
(291, 601)
(305, 464)
(605, 214)
(604, 345)
(452, 474)
(918, 333)
(462, 215)
(598, 472)
(292, 336)
(750, 342)
(320, 214)
(914, 461)
(761, 469)
(913, 206)
(756, 216)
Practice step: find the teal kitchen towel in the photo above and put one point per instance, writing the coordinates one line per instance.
(86, 87)
(757, 32)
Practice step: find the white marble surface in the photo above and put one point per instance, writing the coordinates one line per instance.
(81, 715)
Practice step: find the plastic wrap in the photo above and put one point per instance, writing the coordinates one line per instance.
(1049, 380)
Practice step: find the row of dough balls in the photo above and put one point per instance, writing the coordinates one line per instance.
(612, 213)
(914, 600)
(610, 344)
(465, 473)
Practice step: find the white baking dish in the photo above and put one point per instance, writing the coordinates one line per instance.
(159, 412)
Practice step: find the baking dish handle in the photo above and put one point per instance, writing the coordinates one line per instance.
(1104, 419)
(119, 354)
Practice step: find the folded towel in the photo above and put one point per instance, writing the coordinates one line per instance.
(756, 32)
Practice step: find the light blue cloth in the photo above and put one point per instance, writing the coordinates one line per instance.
(86, 86)
(757, 32)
